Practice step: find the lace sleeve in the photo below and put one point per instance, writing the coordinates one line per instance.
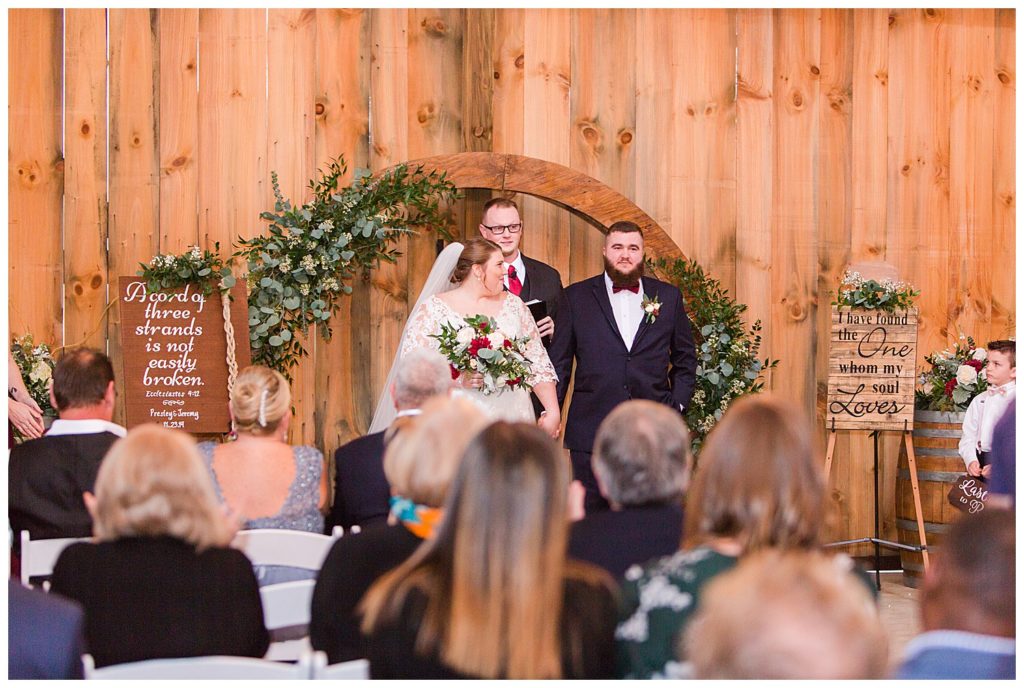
(542, 370)
(425, 322)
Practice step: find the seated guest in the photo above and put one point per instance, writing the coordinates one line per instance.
(47, 476)
(263, 480)
(968, 603)
(641, 461)
(758, 484)
(786, 615)
(44, 635)
(419, 463)
(161, 580)
(492, 594)
(361, 490)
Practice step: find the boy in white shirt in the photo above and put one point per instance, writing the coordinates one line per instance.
(988, 407)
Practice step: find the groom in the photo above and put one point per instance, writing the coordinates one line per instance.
(622, 349)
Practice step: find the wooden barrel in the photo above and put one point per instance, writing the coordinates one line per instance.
(936, 436)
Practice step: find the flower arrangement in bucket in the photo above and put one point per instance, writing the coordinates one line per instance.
(476, 345)
(35, 362)
(955, 378)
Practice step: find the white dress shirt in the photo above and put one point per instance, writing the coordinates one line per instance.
(627, 309)
(85, 426)
(982, 415)
(520, 267)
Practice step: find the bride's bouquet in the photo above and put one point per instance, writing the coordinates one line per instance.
(477, 346)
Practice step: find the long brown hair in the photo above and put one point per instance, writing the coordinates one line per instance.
(758, 480)
(495, 572)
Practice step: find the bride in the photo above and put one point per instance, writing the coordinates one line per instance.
(467, 281)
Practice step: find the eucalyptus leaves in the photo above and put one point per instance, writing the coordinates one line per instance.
(727, 362)
(302, 265)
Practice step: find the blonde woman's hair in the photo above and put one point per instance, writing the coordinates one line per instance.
(419, 461)
(152, 483)
(787, 615)
(758, 480)
(260, 399)
(494, 574)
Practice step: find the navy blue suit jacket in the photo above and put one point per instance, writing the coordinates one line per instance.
(361, 490)
(660, 367)
(44, 635)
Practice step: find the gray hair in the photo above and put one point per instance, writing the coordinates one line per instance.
(642, 454)
(421, 374)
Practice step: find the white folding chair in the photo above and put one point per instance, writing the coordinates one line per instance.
(216, 667)
(357, 669)
(286, 605)
(39, 556)
(278, 547)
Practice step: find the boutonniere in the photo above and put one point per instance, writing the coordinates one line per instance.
(651, 306)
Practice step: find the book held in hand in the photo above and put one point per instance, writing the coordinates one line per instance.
(538, 309)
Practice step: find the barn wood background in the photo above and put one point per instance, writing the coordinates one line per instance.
(774, 146)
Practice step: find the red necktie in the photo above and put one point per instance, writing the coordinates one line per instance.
(514, 285)
(635, 288)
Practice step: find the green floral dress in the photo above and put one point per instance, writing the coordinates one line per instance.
(658, 600)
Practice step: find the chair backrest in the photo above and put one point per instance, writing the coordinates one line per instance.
(356, 669)
(287, 604)
(278, 547)
(217, 668)
(39, 556)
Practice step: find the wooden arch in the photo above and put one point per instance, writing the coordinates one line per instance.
(596, 202)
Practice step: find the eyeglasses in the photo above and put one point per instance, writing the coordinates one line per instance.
(500, 229)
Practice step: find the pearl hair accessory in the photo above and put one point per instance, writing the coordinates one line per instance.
(262, 419)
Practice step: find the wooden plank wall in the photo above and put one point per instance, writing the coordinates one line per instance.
(775, 146)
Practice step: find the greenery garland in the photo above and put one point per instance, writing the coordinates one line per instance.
(299, 269)
(888, 296)
(727, 352)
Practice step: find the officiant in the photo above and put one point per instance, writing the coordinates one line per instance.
(529, 279)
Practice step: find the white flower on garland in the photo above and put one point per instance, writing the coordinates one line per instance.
(40, 372)
(979, 354)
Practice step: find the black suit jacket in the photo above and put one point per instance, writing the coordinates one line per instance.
(660, 367)
(361, 491)
(544, 283)
(46, 479)
(615, 540)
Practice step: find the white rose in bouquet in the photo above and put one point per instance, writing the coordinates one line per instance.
(979, 354)
(465, 335)
(966, 375)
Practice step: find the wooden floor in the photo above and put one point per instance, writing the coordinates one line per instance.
(898, 606)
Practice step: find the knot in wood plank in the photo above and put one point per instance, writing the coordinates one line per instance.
(625, 137)
(435, 26)
(1003, 76)
(426, 112)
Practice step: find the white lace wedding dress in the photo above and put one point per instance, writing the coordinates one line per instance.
(513, 318)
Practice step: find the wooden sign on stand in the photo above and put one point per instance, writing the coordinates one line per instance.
(175, 355)
(871, 378)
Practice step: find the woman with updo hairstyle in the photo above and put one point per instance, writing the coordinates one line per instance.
(160, 579)
(263, 481)
(479, 273)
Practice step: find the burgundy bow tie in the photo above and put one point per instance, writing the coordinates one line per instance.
(635, 288)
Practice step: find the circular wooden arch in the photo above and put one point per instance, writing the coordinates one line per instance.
(577, 192)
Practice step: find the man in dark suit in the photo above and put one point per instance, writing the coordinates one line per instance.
(47, 476)
(361, 491)
(630, 338)
(44, 635)
(641, 462)
(527, 278)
